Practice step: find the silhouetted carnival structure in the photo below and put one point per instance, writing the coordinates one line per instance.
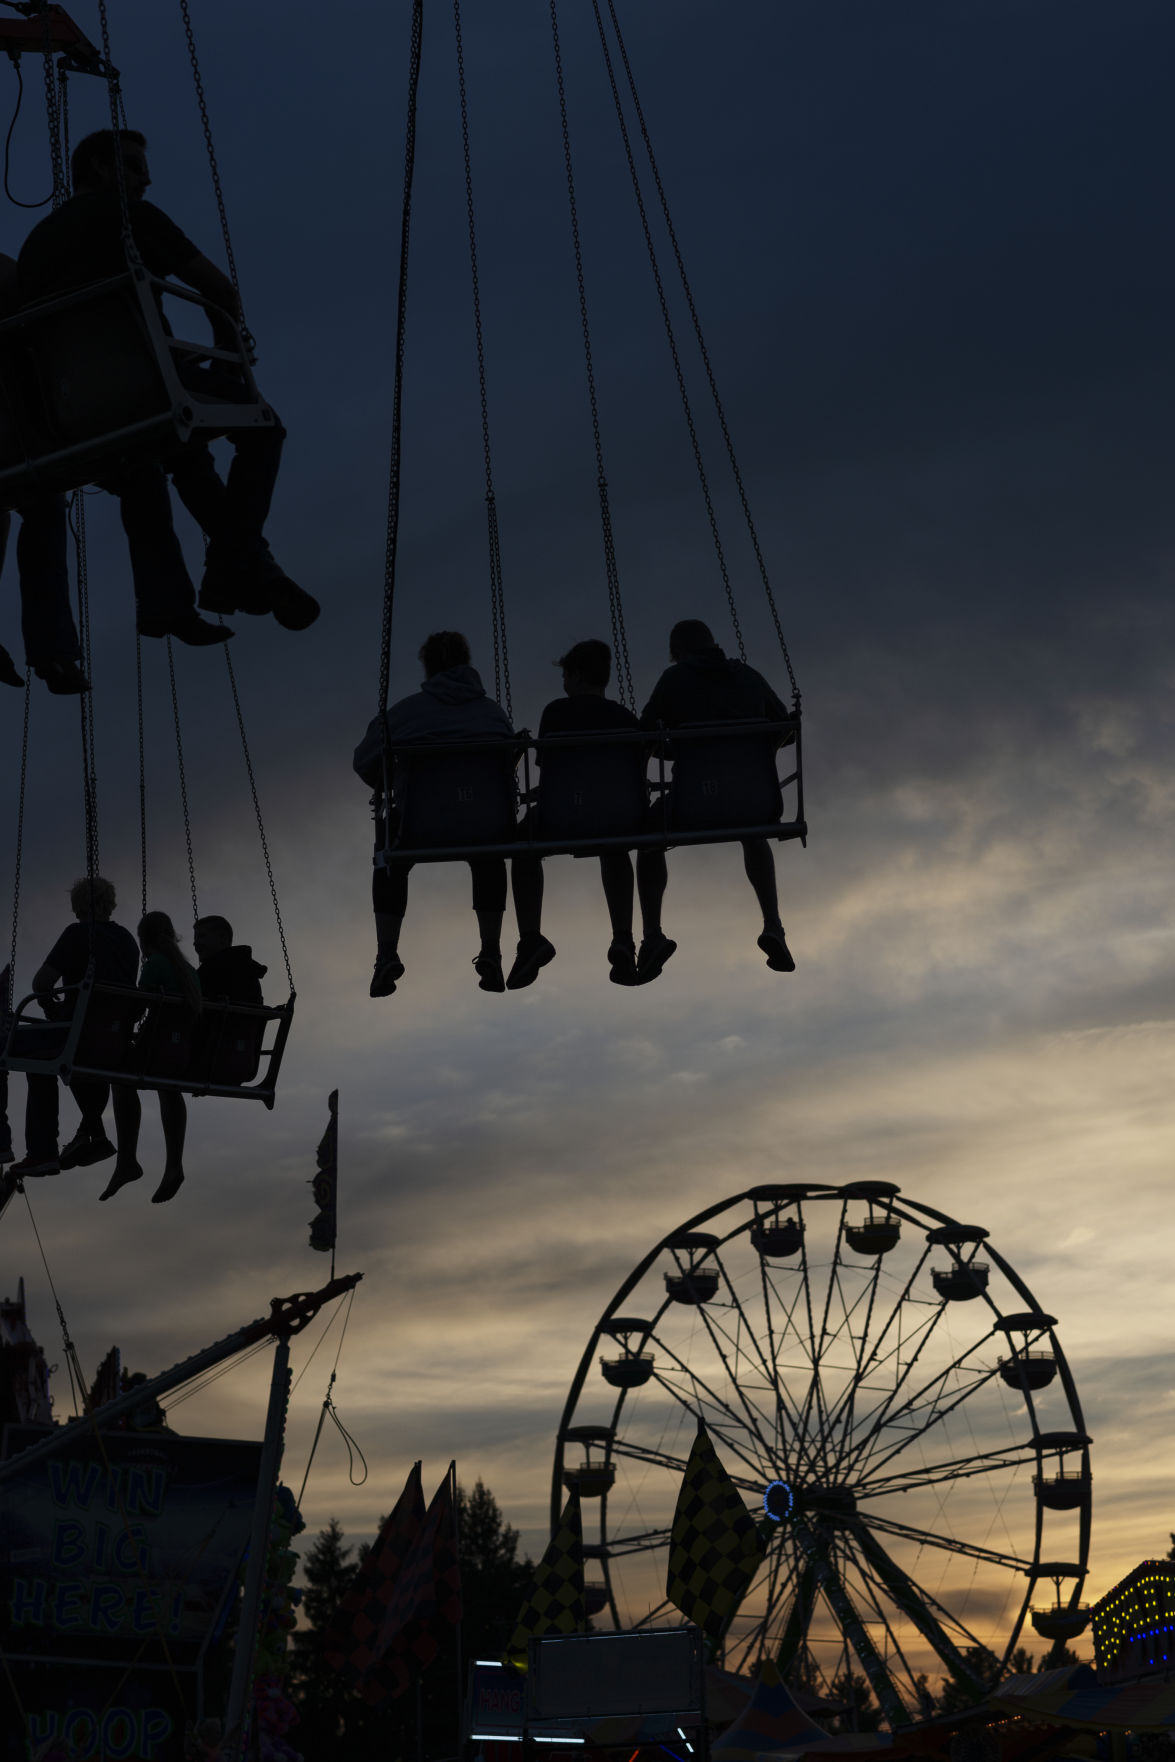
(878, 1386)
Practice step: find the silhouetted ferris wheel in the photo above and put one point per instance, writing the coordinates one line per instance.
(898, 1412)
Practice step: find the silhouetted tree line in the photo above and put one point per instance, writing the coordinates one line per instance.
(333, 1720)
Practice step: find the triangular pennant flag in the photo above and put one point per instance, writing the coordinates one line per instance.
(426, 1599)
(715, 1547)
(555, 1602)
(349, 1644)
(771, 1720)
(324, 1226)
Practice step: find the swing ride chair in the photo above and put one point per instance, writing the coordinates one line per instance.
(92, 380)
(712, 784)
(217, 1053)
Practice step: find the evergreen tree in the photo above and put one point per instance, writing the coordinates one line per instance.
(863, 1713)
(322, 1698)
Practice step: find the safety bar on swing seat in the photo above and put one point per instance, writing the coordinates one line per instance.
(57, 1054)
(663, 745)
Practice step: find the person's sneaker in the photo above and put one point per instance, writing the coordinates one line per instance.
(64, 678)
(774, 946)
(84, 1149)
(488, 968)
(622, 960)
(655, 951)
(9, 672)
(189, 628)
(387, 971)
(124, 1174)
(170, 1185)
(534, 953)
(35, 1165)
(293, 607)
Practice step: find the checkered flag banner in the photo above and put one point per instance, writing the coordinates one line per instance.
(715, 1547)
(555, 1602)
(352, 1642)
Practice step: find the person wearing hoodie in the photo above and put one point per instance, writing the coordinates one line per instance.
(704, 685)
(228, 972)
(452, 704)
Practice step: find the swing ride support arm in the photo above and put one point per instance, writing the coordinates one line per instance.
(287, 1315)
(33, 33)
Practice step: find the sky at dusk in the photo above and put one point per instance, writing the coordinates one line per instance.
(932, 252)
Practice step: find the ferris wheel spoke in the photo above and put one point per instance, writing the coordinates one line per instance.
(647, 1620)
(882, 1414)
(957, 1468)
(877, 1360)
(911, 1600)
(799, 1616)
(662, 1459)
(734, 1418)
(928, 1539)
(750, 1409)
(842, 1412)
(838, 1413)
(868, 1461)
(784, 1419)
(928, 1393)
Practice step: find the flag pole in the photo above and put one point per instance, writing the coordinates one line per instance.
(334, 1112)
(457, 1628)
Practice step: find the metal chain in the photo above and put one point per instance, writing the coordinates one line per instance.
(393, 523)
(63, 113)
(277, 911)
(705, 355)
(77, 516)
(117, 123)
(612, 573)
(51, 110)
(678, 370)
(142, 776)
(197, 79)
(24, 768)
(179, 754)
(497, 595)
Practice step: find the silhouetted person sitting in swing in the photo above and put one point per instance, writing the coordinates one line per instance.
(584, 709)
(703, 685)
(51, 643)
(81, 243)
(164, 970)
(95, 935)
(227, 971)
(451, 705)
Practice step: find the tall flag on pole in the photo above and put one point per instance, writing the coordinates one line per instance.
(351, 1642)
(715, 1547)
(324, 1226)
(425, 1604)
(555, 1601)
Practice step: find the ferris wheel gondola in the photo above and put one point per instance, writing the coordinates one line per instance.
(899, 1415)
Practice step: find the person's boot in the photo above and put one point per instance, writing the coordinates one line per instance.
(9, 672)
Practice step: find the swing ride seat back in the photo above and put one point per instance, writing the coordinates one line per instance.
(218, 1052)
(92, 381)
(455, 800)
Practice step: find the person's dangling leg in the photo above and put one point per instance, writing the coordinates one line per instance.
(389, 899)
(89, 1143)
(489, 905)
(652, 878)
(40, 1127)
(534, 950)
(164, 595)
(128, 1117)
(51, 643)
(759, 863)
(616, 875)
(173, 1115)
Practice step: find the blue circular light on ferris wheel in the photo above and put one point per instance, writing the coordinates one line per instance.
(778, 1500)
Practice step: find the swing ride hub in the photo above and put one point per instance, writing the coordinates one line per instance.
(51, 30)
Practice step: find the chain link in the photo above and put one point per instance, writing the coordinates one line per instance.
(60, 189)
(497, 593)
(16, 863)
(77, 521)
(277, 911)
(702, 349)
(391, 544)
(142, 776)
(179, 754)
(198, 81)
(612, 573)
(63, 114)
